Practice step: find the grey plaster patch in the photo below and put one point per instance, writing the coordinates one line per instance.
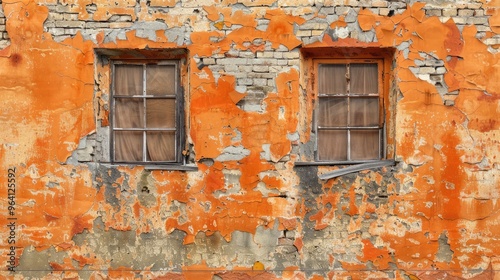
(315, 255)
(444, 254)
(146, 190)
(266, 152)
(233, 153)
(367, 36)
(107, 178)
(266, 192)
(110, 36)
(36, 264)
(211, 248)
(244, 248)
(155, 249)
(238, 137)
(295, 136)
(232, 183)
(179, 35)
(148, 29)
(352, 16)
(267, 237)
(307, 149)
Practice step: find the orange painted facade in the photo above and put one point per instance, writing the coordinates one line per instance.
(249, 210)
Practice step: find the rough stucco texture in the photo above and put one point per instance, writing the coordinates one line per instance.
(249, 212)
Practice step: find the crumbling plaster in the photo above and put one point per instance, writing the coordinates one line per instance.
(248, 212)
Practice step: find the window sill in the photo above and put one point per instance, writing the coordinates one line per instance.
(168, 167)
(352, 168)
(172, 167)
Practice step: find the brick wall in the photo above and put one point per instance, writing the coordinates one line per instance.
(252, 204)
(4, 36)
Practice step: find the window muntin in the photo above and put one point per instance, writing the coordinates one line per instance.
(349, 119)
(146, 112)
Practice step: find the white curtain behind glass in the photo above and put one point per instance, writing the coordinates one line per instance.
(133, 110)
(345, 103)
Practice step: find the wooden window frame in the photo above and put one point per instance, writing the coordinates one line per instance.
(311, 56)
(317, 63)
(179, 113)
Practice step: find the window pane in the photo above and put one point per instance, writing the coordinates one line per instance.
(129, 113)
(332, 79)
(161, 146)
(332, 112)
(160, 80)
(160, 113)
(128, 145)
(364, 78)
(128, 79)
(364, 111)
(332, 145)
(365, 145)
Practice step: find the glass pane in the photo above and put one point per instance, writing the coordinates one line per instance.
(364, 111)
(332, 112)
(160, 113)
(332, 145)
(128, 80)
(129, 113)
(332, 79)
(160, 80)
(128, 145)
(365, 144)
(364, 78)
(161, 146)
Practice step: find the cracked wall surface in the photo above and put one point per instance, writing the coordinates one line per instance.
(249, 210)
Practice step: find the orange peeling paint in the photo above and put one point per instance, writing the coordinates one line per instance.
(366, 20)
(443, 184)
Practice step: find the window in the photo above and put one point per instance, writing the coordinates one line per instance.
(349, 119)
(349, 107)
(147, 112)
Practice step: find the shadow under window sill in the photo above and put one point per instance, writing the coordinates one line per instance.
(347, 167)
(167, 167)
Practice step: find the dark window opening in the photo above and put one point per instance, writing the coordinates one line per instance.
(349, 121)
(147, 112)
